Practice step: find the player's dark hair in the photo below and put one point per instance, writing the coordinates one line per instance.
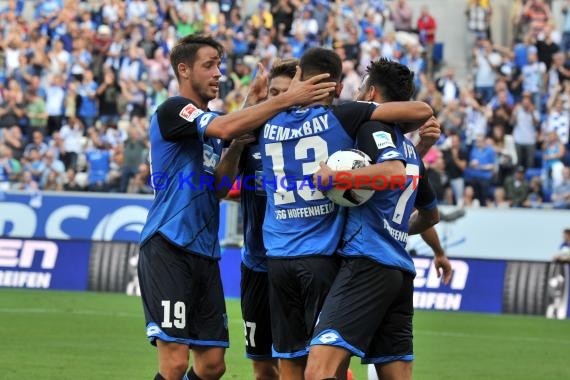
(284, 68)
(186, 49)
(318, 60)
(394, 81)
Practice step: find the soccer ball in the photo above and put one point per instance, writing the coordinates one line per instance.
(348, 160)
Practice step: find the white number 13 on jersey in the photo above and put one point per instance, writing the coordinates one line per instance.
(283, 194)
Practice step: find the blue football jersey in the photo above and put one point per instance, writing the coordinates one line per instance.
(253, 201)
(185, 209)
(378, 229)
(299, 220)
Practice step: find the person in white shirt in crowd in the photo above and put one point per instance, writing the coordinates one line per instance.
(448, 86)
(558, 119)
(486, 63)
(475, 121)
(72, 134)
(525, 120)
(55, 98)
(52, 165)
(533, 74)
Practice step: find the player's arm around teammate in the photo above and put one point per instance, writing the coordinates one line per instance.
(429, 135)
(179, 245)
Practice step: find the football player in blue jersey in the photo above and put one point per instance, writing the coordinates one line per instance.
(369, 309)
(302, 228)
(254, 282)
(178, 267)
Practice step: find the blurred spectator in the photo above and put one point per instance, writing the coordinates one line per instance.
(546, 47)
(537, 12)
(28, 183)
(455, 159)
(283, 15)
(438, 178)
(52, 182)
(517, 188)
(10, 168)
(535, 195)
(71, 183)
(350, 82)
(263, 18)
(504, 146)
(108, 94)
(55, 98)
(552, 165)
(53, 172)
(87, 111)
(486, 63)
(561, 193)
(525, 120)
(14, 140)
(36, 113)
(565, 45)
(532, 75)
(482, 162)
(416, 64)
(452, 118)
(431, 96)
(502, 111)
(565, 245)
(135, 151)
(500, 200)
(35, 165)
(98, 160)
(140, 184)
(469, 200)
(448, 86)
(37, 143)
(72, 134)
(401, 14)
(475, 120)
(478, 13)
(558, 120)
(426, 28)
(11, 110)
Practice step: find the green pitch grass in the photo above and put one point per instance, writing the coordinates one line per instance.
(62, 335)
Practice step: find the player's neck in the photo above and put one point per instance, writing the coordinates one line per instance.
(325, 102)
(378, 99)
(188, 93)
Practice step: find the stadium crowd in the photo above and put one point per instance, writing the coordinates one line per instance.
(79, 81)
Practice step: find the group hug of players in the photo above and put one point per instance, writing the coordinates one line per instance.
(316, 289)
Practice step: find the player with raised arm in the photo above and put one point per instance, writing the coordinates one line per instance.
(178, 269)
(302, 228)
(369, 309)
(254, 282)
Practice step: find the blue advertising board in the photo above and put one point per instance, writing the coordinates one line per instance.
(476, 285)
(92, 216)
(44, 264)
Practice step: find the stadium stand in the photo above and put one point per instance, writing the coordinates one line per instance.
(87, 75)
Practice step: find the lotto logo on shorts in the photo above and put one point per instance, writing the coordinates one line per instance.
(328, 338)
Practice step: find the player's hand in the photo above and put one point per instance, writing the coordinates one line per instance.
(259, 90)
(322, 179)
(243, 140)
(430, 132)
(308, 91)
(442, 264)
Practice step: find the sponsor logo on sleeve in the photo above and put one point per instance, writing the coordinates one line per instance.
(383, 140)
(190, 112)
